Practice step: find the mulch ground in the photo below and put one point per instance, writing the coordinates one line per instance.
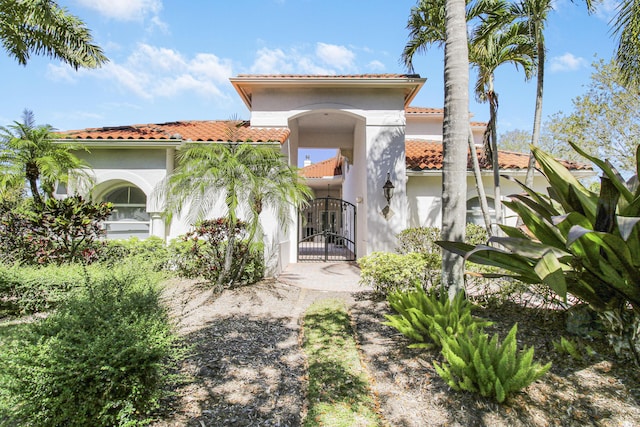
(246, 367)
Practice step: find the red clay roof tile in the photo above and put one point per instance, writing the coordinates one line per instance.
(329, 167)
(427, 155)
(205, 130)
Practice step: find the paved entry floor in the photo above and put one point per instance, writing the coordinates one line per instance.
(324, 276)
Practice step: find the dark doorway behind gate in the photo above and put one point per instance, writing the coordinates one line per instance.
(327, 231)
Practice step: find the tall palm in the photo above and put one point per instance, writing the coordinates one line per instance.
(426, 27)
(28, 154)
(245, 177)
(42, 27)
(489, 50)
(454, 140)
(535, 13)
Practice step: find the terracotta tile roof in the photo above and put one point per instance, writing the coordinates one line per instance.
(329, 167)
(427, 155)
(423, 110)
(205, 130)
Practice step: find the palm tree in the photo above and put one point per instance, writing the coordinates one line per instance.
(426, 27)
(244, 176)
(490, 49)
(28, 154)
(626, 25)
(535, 14)
(454, 141)
(42, 27)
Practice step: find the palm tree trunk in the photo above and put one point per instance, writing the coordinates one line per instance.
(482, 196)
(455, 132)
(535, 136)
(32, 174)
(493, 138)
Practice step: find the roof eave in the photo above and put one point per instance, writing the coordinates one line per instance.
(110, 143)
(245, 84)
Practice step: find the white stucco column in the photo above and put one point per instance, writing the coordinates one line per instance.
(157, 225)
(385, 154)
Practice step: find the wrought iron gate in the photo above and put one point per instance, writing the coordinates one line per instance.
(327, 231)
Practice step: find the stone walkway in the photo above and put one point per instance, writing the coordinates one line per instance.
(323, 276)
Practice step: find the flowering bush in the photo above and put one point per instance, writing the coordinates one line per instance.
(201, 253)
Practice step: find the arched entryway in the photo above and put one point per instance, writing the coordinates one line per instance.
(327, 231)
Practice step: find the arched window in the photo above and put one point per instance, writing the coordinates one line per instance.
(129, 217)
(474, 212)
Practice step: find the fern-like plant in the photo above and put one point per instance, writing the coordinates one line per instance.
(493, 369)
(425, 317)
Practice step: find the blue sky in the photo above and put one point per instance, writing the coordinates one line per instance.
(172, 60)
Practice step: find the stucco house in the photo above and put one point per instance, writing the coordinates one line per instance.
(378, 138)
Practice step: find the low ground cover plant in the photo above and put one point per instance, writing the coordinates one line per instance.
(472, 362)
(427, 317)
(338, 390)
(475, 363)
(100, 359)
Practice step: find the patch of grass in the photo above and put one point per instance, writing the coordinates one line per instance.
(338, 391)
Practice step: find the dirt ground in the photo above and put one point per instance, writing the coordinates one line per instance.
(246, 367)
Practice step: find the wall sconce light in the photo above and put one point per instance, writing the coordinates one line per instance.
(387, 188)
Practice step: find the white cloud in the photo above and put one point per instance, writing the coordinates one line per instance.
(567, 62)
(607, 9)
(152, 72)
(124, 10)
(376, 65)
(272, 61)
(336, 56)
(326, 60)
(60, 73)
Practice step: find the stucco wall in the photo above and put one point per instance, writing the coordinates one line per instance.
(425, 202)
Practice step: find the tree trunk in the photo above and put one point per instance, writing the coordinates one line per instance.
(535, 136)
(482, 196)
(32, 173)
(493, 139)
(455, 137)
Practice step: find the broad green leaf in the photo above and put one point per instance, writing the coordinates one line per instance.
(559, 176)
(527, 248)
(626, 225)
(514, 232)
(550, 272)
(541, 229)
(610, 172)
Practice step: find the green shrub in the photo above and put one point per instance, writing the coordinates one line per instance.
(387, 272)
(151, 251)
(418, 239)
(31, 289)
(424, 317)
(63, 231)
(99, 360)
(201, 254)
(476, 364)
